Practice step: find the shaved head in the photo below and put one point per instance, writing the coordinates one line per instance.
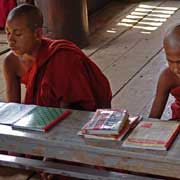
(172, 38)
(32, 14)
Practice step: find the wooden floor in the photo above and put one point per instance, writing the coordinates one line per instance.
(129, 51)
(126, 43)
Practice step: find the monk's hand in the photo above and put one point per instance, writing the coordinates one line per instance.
(46, 176)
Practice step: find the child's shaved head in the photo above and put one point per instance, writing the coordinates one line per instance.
(32, 14)
(172, 38)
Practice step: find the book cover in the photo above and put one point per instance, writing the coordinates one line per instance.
(12, 112)
(123, 132)
(157, 135)
(41, 119)
(106, 121)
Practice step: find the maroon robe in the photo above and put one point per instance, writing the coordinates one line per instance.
(176, 105)
(5, 7)
(63, 74)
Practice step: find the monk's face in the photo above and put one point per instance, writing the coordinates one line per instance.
(173, 58)
(22, 40)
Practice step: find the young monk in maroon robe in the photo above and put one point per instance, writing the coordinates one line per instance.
(5, 7)
(169, 80)
(56, 72)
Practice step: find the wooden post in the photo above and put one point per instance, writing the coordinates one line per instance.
(24, 1)
(67, 19)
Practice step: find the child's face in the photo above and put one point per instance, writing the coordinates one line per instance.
(20, 38)
(173, 58)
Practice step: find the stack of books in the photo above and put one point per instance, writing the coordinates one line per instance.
(108, 124)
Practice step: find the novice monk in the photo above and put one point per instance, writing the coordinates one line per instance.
(56, 72)
(169, 81)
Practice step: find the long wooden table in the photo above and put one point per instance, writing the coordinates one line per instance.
(63, 143)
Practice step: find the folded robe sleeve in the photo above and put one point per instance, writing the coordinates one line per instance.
(69, 80)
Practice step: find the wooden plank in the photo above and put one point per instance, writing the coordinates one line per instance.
(3, 48)
(103, 21)
(94, 5)
(133, 60)
(3, 43)
(7, 173)
(85, 172)
(139, 92)
(111, 31)
(66, 145)
(116, 57)
(108, 15)
(3, 38)
(167, 114)
(155, 42)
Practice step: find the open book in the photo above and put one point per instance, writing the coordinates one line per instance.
(12, 112)
(41, 119)
(31, 117)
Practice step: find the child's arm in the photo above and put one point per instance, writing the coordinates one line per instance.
(162, 94)
(13, 88)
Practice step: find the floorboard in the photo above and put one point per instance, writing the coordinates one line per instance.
(7, 173)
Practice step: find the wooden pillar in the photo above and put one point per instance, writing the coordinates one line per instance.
(67, 19)
(24, 1)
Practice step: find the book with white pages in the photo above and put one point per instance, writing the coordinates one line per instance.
(12, 112)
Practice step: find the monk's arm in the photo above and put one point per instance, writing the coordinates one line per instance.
(161, 97)
(12, 81)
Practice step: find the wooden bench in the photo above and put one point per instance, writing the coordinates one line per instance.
(63, 143)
